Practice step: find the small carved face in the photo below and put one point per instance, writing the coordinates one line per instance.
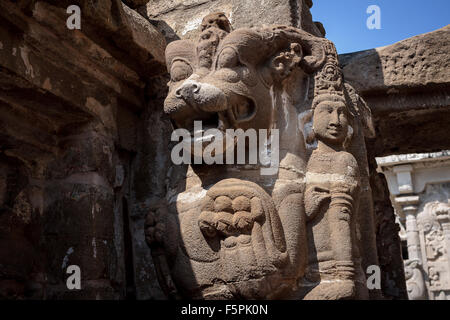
(331, 122)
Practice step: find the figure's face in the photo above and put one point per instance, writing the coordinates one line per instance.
(331, 122)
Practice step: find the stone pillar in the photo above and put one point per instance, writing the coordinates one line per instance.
(446, 228)
(408, 204)
(412, 231)
(414, 266)
(420, 181)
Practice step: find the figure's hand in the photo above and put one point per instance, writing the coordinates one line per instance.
(315, 198)
(341, 212)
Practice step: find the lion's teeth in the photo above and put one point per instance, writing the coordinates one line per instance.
(235, 112)
(221, 125)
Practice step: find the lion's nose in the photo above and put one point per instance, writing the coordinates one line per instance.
(187, 90)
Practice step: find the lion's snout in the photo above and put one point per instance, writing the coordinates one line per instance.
(202, 96)
(187, 90)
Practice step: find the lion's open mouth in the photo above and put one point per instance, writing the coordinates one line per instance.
(243, 111)
(216, 120)
(199, 122)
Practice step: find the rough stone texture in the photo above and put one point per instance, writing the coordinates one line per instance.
(418, 61)
(149, 170)
(84, 152)
(388, 241)
(181, 18)
(407, 87)
(420, 191)
(69, 103)
(228, 231)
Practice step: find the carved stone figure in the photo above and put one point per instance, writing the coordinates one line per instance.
(433, 223)
(414, 280)
(225, 231)
(433, 274)
(435, 244)
(332, 183)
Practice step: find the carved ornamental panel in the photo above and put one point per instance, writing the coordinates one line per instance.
(226, 230)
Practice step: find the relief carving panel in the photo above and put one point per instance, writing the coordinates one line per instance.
(432, 223)
(226, 231)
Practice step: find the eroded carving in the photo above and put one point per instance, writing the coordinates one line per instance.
(332, 183)
(433, 223)
(414, 280)
(229, 232)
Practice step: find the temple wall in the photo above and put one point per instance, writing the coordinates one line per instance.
(419, 186)
(70, 105)
(84, 149)
(405, 85)
(181, 19)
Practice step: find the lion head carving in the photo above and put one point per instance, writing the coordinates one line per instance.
(231, 233)
(225, 78)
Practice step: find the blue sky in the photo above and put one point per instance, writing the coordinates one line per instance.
(345, 21)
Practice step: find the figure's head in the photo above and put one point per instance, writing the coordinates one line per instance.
(336, 107)
(225, 78)
(330, 119)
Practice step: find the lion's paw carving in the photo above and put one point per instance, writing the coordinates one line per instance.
(230, 213)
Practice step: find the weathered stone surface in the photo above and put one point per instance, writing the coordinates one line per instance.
(69, 126)
(421, 61)
(406, 85)
(227, 231)
(84, 152)
(184, 17)
(387, 238)
(420, 191)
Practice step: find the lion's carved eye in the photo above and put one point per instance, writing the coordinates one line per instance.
(228, 58)
(180, 70)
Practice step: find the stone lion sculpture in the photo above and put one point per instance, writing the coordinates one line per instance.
(224, 231)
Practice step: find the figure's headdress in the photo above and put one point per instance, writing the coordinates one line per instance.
(328, 81)
(329, 85)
